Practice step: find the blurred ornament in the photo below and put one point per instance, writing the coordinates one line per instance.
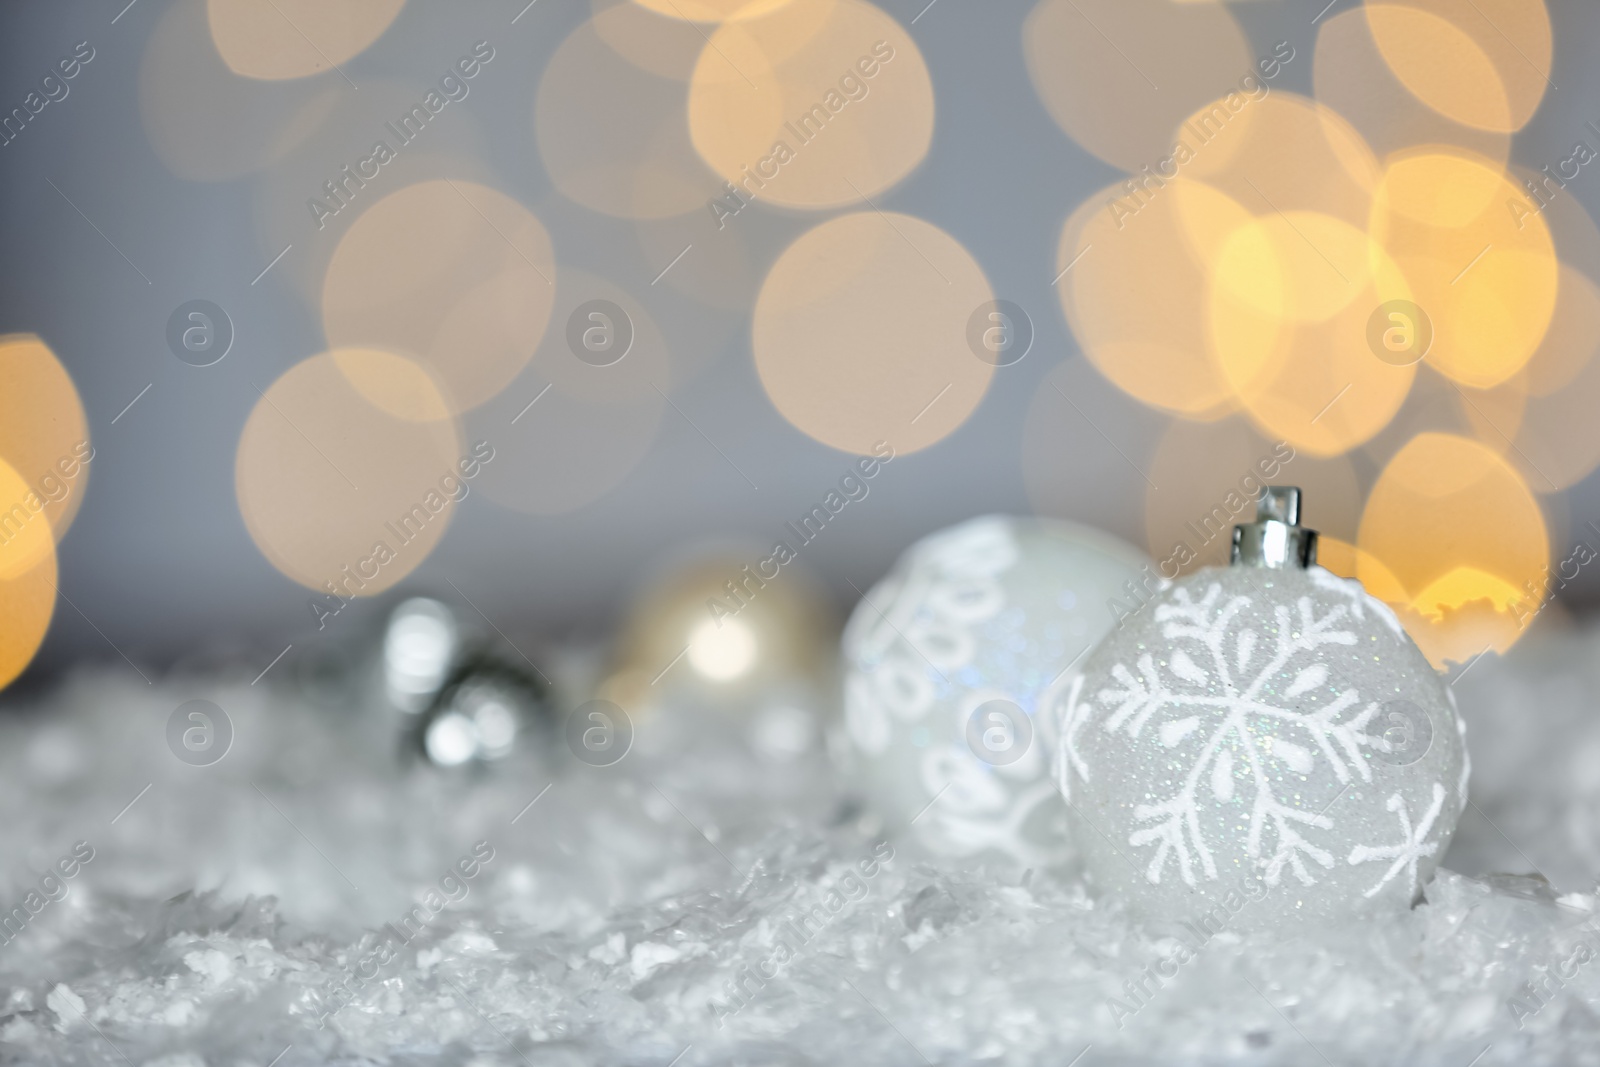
(953, 665)
(723, 631)
(487, 710)
(459, 700)
(1261, 744)
(420, 645)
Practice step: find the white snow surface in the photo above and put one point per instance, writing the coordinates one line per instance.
(619, 909)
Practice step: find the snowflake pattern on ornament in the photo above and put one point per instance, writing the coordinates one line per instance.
(966, 620)
(927, 618)
(1413, 843)
(1213, 692)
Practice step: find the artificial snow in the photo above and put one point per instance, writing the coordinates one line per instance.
(307, 900)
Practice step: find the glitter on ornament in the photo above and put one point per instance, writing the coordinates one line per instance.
(1264, 722)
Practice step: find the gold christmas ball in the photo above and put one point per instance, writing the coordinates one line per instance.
(723, 628)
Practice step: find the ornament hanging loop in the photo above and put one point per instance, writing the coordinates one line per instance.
(1276, 539)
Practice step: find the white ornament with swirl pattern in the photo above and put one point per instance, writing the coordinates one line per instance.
(950, 663)
(1262, 743)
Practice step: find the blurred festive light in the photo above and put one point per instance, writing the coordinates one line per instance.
(1483, 63)
(1280, 152)
(1301, 266)
(1495, 416)
(203, 120)
(1206, 477)
(315, 193)
(1434, 405)
(450, 740)
(449, 273)
(25, 539)
(722, 650)
(1576, 236)
(1156, 60)
(810, 106)
(1135, 285)
(1346, 560)
(27, 577)
(295, 38)
(341, 495)
(587, 407)
(612, 135)
(1569, 345)
(661, 42)
(420, 643)
(1351, 76)
(1459, 530)
(860, 333)
(1485, 276)
(1553, 441)
(43, 433)
(1292, 302)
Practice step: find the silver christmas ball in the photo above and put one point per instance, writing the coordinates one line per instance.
(1262, 745)
(949, 665)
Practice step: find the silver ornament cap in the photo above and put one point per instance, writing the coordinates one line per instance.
(1276, 539)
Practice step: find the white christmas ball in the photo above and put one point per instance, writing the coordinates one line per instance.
(1261, 746)
(949, 665)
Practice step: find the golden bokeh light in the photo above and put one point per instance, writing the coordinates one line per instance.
(1538, 419)
(1352, 77)
(1118, 76)
(44, 436)
(340, 495)
(1553, 440)
(1494, 416)
(659, 42)
(814, 105)
(1482, 63)
(1576, 236)
(1205, 477)
(588, 407)
(1280, 152)
(25, 541)
(1292, 301)
(1343, 558)
(27, 579)
(1568, 347)
(361, 154)
(1486, 277)
(295, 38)
(203, 120)
(613, 135)
(860, 333)
(449, 273)
(1457, 528)
(1135, 285)
(1435, 404)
